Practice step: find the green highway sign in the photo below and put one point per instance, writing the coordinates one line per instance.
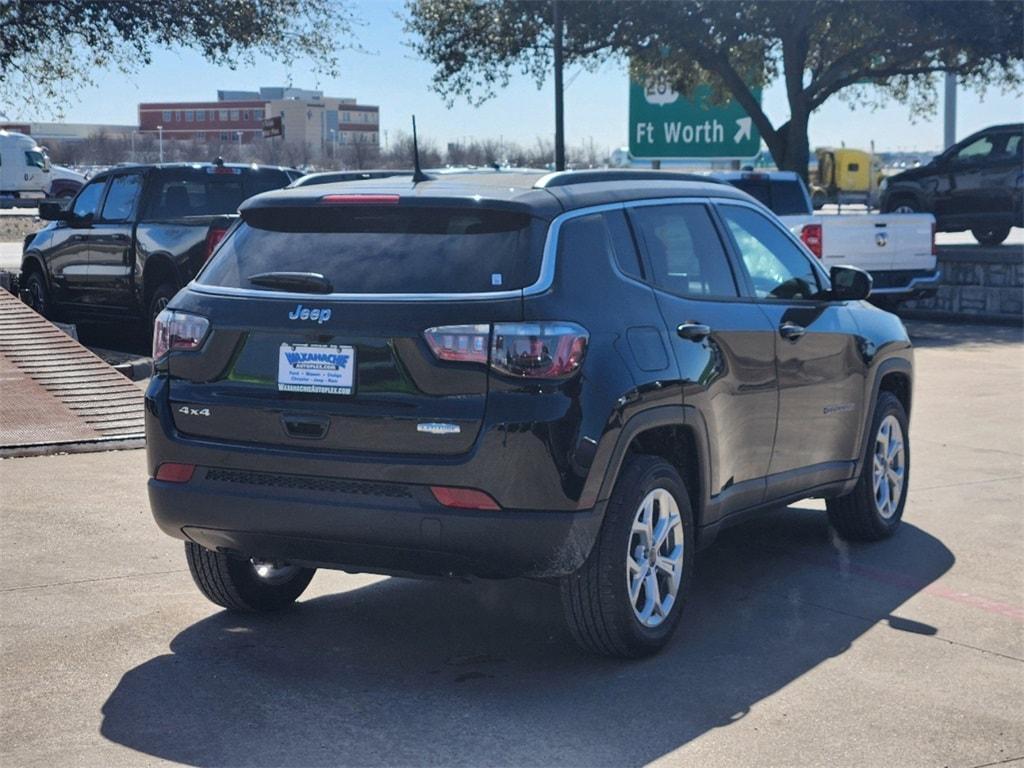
(665, 126)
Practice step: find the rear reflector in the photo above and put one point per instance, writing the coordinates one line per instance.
(811, 236)
(175, 473)
(463, 498)
(359, 199)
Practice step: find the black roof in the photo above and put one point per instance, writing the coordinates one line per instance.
(541, 194)
(173, 166)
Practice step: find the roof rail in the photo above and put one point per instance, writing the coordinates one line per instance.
(567, 178)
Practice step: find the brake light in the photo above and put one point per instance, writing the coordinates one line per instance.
(548, 350)
(213, 238)
(459, 343)
(359, 199)
(174, 330)
(935, 248)
(175, 473)
(810, 234)
(463, 498)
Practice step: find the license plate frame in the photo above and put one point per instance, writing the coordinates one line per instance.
(321, 369)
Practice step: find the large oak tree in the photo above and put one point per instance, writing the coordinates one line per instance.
(866, 51)
(51, 48)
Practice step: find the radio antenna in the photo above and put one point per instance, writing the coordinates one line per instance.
(417, 174)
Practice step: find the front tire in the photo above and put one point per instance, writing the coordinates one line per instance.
(903, 205)
(990, 235)
(626, 599)
(239, 584)
(37, 295)
(873, 509)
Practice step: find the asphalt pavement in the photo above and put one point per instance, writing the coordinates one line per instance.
(796, 649)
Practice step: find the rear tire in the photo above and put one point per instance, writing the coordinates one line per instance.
(159, 299)
(873, 509)
(990, 235)
(236, 584)
(626, 599)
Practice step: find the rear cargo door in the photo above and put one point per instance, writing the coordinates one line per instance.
(351, 368)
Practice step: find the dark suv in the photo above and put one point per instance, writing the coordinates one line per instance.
(581, 376)
(977, 184)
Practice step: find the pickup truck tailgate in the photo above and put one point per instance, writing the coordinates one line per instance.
(875, 242)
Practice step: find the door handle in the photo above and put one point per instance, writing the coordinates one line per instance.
(791, 331)
(693, 331)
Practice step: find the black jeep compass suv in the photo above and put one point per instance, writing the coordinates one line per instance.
(578, 376)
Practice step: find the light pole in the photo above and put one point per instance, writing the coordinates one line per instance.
(238, 134)
(160, 131)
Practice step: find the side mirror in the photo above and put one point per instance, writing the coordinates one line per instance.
(850, 284)
(50, 211)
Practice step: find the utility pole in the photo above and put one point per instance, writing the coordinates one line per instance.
(556, 10)
(949, 110)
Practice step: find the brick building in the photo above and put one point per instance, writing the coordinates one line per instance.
(307, 117)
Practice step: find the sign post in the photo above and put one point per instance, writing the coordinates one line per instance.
(663, 125)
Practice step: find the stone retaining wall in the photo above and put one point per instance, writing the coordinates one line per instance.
(977, 283)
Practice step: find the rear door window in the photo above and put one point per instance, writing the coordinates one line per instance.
(209, 190)
(684, 252)
(370, 249)
(602, 234)
(783, 197)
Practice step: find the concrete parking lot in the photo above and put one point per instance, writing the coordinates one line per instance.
(797, 648)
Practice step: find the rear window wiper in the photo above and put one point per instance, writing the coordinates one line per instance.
(298, 282)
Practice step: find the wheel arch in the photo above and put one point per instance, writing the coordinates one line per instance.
(674, 433)
(904, 193)
(158, 269)
(895, 375)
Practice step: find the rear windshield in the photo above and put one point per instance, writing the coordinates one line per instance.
(208, 191)
(383, 249)
(784, 198)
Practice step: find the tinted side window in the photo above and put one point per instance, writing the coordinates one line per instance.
(121, 198)
(683, 250)
(778, 269)
(208, 191)
(88, 199)
(601, 235)
(977, 149)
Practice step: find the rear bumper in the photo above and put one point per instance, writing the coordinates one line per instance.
(908, 282)
(371, 527)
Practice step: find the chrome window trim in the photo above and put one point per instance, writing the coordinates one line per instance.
(545, 278)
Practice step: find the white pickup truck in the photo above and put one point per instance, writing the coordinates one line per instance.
(897, 249)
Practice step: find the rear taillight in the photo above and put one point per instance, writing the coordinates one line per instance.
(810, 234)
(463, 498)
(549, 350)
(169, 472)
(935, 248)
(459, 343)
(177, 330)
(213, 238)
(538, 350)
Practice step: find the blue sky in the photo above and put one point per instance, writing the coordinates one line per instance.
(391, 76)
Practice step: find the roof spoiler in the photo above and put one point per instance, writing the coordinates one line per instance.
(568, 178)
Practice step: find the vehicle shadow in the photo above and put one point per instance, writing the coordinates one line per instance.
(418, 672)
(934, 333)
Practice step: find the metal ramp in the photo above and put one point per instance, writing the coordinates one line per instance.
(56, 395)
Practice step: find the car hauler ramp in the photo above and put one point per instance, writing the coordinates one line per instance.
(56, 395)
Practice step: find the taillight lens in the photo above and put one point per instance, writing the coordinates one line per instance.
(935, 248)
(174, 330)
(459, 343)
(538, 350)
(463, 498)
(810, 234)
(548, 350)
(213, 238)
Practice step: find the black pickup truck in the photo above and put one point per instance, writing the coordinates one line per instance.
(133, 236)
